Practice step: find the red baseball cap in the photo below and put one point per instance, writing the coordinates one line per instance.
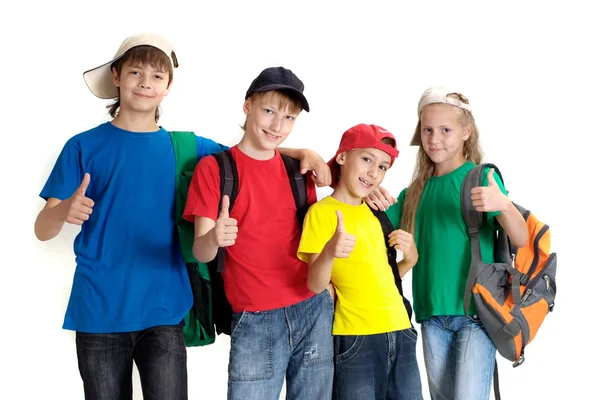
(363, 136)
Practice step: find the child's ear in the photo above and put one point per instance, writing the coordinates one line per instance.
(246, 107)
(170, 86)
(341, 158)
(467, 132)
(115, 77)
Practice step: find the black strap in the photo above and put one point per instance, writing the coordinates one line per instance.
(298, 184)
(496, 381)
(229, 186)
(387, 227)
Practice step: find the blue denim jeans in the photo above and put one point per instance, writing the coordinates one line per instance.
(377, 367)
(293, 342)
(459, 358)
(106, 363)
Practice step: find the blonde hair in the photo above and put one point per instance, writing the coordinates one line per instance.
(424, 167)
(143, 55)
(279, 98)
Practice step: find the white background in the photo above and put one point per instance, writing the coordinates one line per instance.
(529, 70)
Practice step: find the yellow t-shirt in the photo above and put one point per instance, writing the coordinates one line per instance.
(368, 301)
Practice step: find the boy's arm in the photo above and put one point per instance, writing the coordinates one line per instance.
(340, 245)
(74, 210)
(310, 161)
(210, 235)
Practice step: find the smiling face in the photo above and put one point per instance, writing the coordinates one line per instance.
(361, 172)
(443, 136)
(270, 117)
(142, 86)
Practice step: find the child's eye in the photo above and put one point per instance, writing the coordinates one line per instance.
(383, 168)
(427, 130)
(446, 130)
(134, 72)
(366, 159)
(268, 111)
(158, 77)
(290, 117)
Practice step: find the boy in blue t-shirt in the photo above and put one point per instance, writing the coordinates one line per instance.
(130, 290)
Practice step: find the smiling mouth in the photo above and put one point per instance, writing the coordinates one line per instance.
(365, 183)
(270, 136)
(141, 96)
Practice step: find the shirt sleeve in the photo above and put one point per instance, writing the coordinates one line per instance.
(67, 174)
(318, 228)
(204, 191)
(205, 147)
(394, 213)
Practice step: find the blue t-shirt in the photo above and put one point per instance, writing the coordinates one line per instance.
(130, 274)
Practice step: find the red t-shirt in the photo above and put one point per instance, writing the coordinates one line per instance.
(262, 271)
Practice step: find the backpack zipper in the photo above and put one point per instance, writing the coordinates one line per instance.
(541, 274)
(536, 255)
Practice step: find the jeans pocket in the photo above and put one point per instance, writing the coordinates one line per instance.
(347, 347)
(237, 320)
(251, 352)
(410, 333)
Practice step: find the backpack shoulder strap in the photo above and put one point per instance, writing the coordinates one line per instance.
(228, 183)
(298, 184)
(387, 227)
(186, 158)
(473, 219)
(184, 145)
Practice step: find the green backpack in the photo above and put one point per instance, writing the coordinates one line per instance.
(199, 328)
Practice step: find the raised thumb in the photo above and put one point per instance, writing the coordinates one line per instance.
(340, 221)
(225, 207)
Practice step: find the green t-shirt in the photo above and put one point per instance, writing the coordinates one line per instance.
(442, 239)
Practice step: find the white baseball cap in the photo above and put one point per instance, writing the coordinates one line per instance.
(99, 79)
(436, 94)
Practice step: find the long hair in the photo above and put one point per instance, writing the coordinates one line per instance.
(143, 55)
(424, 167)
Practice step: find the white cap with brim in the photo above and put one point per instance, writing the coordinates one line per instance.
(438, 94)
(99, 80)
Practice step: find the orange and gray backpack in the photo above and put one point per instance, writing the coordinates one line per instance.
(514, 294)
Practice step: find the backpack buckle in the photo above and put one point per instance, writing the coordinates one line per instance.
(520, 361)
(524, 279)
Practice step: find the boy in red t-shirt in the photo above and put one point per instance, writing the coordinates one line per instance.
(280, 328)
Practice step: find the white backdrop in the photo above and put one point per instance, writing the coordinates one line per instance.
(527, 69)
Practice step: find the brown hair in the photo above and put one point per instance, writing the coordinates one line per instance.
(143, 55)
(424, 167)
(280, 98)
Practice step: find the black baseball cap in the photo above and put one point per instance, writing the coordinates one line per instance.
(279, 78)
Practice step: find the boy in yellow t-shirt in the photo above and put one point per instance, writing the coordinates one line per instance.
(342, 241)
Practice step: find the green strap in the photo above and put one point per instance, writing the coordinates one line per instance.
(184, 144)
(186, 158)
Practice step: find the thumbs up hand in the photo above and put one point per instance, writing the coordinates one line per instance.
(489, 198)
(78, 207)
(225, 230)
(341, 243)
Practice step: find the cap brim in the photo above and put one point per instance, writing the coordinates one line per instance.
(296, 92)
(99, 81)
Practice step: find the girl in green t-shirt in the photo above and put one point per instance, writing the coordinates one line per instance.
(459, 355)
